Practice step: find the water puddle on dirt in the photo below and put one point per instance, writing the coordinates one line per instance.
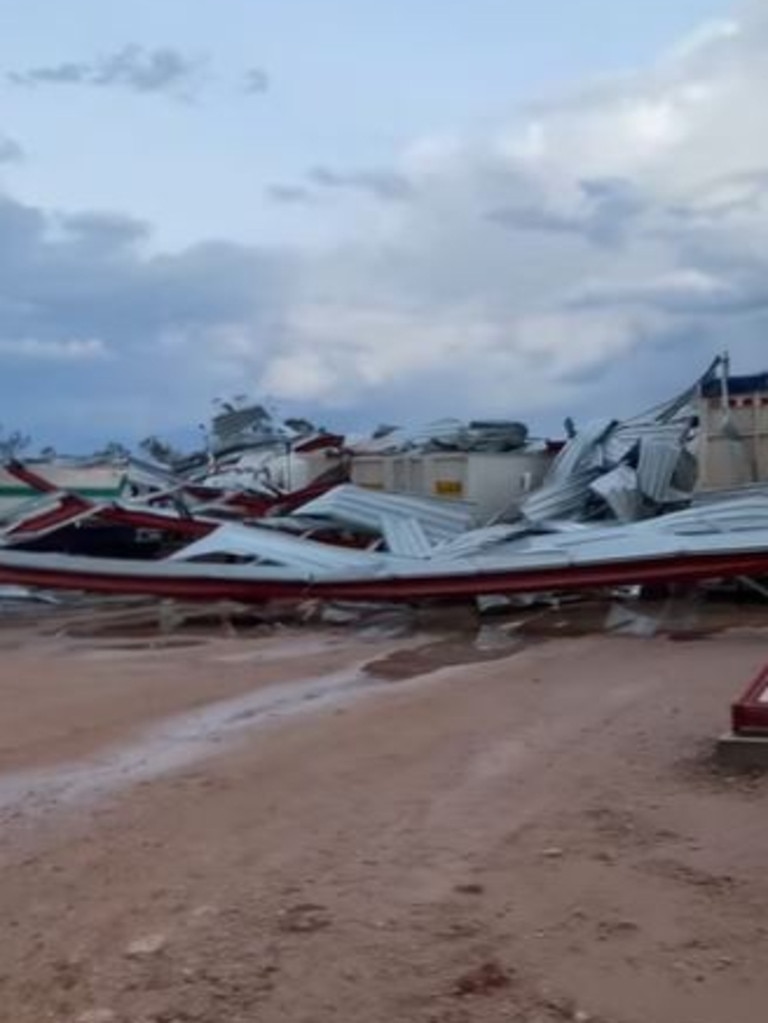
(491, 643)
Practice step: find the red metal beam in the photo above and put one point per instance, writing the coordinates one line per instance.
(682, 568)
(70, 508)
(25, 475)
(141, 518)
(749, 714)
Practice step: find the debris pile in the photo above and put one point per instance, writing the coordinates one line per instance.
(615, 509)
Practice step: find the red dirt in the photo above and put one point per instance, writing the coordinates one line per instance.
(538, 838)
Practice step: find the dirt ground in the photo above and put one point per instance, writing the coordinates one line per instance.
(375, 825)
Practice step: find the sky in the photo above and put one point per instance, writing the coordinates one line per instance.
(361, 210)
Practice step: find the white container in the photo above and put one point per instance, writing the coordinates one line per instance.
(733, 452)
(490, 481)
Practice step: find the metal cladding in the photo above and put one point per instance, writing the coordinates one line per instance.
(620, 490)
(731, 539)
(269, 547)
(556, 499)
(367, 509)
(488, 435)
(620, 471)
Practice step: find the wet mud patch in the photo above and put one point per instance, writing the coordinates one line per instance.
(446, 652)
(707, 883)
(705, 770)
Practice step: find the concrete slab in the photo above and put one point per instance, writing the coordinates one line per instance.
(744, 752)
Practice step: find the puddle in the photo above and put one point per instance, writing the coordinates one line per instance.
(475, 648)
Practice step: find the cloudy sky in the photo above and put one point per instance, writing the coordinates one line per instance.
(362, 209)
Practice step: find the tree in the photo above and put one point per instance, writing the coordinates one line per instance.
(160, 450)
(113, 450)
(12, 444)
(301, 426)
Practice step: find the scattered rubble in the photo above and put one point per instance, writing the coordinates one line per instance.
(304, 918)
(485, 979)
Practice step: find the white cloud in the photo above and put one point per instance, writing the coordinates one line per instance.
(626, 220)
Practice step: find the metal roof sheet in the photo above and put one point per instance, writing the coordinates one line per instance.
(618, 488)
(658, 461)
(266, 545)
(366, 509)
(405, 537)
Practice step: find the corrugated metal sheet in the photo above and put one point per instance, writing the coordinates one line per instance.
(658, 461)
(618, 488)
(366, 509)
(405, 537)
(624, 439)
(447, 434)
(478, 540)
(723, 539)
(739, 515)
(268, 546)
(738, 525)
(618, 463)
(581, 452)
(560, 499)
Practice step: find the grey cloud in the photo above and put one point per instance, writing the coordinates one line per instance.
(256, 81)
(10, 150)
(608, 210)
(67, 73)
(723, 196)
(381, 183)
(384, 185)
(112, 231)
(154, 335)
(134, 67)
(290, 194)
(533, 218)
(147, 70)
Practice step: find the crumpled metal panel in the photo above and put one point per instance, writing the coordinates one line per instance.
(732, 539)
(658, 461)
(560, 499)
(626, 437)
(581, 452)
(405, 537)
(479, 540)
(366, 509)
(266, 545)
(718, 527)
(619, 489)
(449, 435)
(745, 514)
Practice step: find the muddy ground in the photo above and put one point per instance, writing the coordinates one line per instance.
(393, 822)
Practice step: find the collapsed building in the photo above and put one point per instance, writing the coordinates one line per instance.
(616, 505)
